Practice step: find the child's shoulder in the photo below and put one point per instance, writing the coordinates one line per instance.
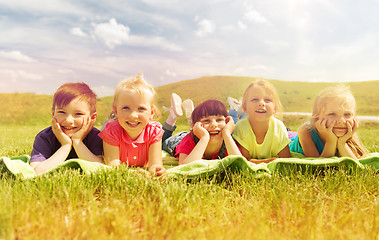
(46, 132)
(154, 124)
(305, 127)
(153, 127)
(242, 123)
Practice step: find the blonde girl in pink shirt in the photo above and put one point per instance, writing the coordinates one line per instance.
(134, 139)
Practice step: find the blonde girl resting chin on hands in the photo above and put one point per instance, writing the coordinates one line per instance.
(134, 139)
(261, 137)
(332, 129)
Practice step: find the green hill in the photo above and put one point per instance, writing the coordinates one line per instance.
(33, 109)
(295, 96)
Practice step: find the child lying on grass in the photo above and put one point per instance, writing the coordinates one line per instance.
(210, 137)
(134, 139)
(71, 134)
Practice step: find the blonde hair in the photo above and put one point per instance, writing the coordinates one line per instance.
(268, 86)
(138, 86)
(342, 96)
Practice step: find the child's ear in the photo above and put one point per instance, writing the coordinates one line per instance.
(244, 107)
(93, 116)
(152, 114)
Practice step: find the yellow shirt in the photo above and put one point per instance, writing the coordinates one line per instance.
(275, 140)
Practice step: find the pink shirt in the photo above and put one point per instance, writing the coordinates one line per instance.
(188, 144)
(132, 153)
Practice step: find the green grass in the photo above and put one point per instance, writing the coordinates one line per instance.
(118, 204)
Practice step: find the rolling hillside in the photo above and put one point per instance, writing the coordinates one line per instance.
(32, 109)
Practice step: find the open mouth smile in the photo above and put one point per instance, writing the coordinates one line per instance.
(132, 125)
(340, 128)
(261, 111)
(68, 128)
(214, 133)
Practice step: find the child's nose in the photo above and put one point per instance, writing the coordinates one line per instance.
(70, 118)
(341, 120)
(213, 124)
(134, 114)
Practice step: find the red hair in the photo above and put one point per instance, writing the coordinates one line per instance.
(208, 108)
(69, 91)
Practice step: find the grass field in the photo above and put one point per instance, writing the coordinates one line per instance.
(120, 205)
(117, 204)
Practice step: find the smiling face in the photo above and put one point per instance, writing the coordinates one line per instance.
(259, 104)
(339, 112)
(133, 112)
(71, 116)
(214, 125)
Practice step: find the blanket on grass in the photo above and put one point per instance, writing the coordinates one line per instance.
(19, 166)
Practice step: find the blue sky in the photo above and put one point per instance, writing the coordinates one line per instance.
(45, 43)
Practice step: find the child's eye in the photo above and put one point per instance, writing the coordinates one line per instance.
(331, 114)
(61, 112)
(254, 99)
(347, 115)
(268, 100)
(205, 121)
(141, 109)
(220, 120)
(79, 114)
(125, 108)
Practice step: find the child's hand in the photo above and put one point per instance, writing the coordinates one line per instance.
(59, 134)
(84, 130)
(200, 131)
(157, 170)
(352, 127)
(229, 127)
(257, 161)
(325, 130)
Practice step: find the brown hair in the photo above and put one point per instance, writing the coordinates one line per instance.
(69, 91)
(209, 108)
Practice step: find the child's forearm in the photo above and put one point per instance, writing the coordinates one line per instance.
(257, 161)
(329, 149)
(114, 163)
(197, 152)
(345, 151)
(285, 152)
(231, 145)
(155, 164)
(84, 153)
(57, 158)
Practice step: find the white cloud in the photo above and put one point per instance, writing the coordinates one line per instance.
(112, 33)
(258, 70)
(206, 27)
(170, 73)
(253, 15)
(43, 6)
(103, 91)
(157, 42)
(16, 55)
(241, 25)
(14, 75)
(275, 45)
(77, 32)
